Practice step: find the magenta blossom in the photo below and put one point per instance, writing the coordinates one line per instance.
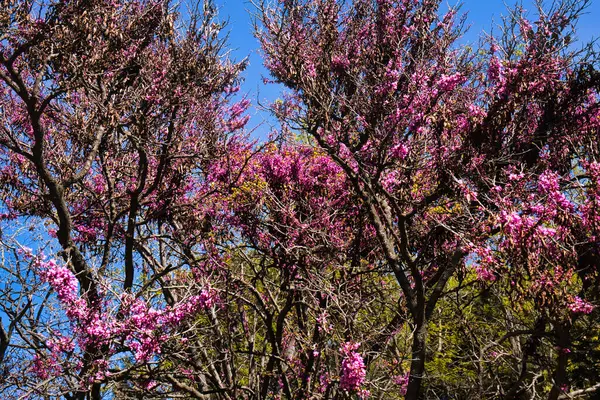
(353, 368)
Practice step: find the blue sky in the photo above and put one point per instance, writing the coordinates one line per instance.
(480, 17)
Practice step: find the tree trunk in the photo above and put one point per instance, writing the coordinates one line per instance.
(560, 374)
(417, 365)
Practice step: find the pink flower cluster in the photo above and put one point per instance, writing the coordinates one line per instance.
(548, 182)
(62, 280)
(485, 274)
(513, 222)
(399, 151)
(580, 306)
(495, 70)
(402, 381)
(484, 264)
(190, 307)
(447, 83)
(143, 329)
(353, 368)
(45, 366)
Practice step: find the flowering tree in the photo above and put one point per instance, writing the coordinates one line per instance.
(170, 257)
(151, 250)
(111, 113)
(464, 161)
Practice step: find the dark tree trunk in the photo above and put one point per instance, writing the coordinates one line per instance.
(417, 365)
(560, 374)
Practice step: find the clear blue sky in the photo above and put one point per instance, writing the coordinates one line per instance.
(480, 16)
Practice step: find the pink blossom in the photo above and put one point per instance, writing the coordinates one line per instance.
(513, 222)
(353, 368)
(62, 280)
(485, 274)
(548, 182)
(447, 83)
(495, 70)
(340, 62)
(400, 151)
(402, 381)
(580, 306)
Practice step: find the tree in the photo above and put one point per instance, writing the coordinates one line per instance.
(434, 233)
(111, 113)
(462, 159)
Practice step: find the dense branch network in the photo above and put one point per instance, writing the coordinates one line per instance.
(424, 223)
